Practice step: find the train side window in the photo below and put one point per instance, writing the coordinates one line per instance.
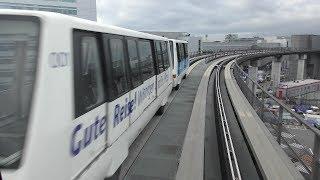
(119, 80)
(178, 52)
(159, 57)
(134, 63)
(182, 51)
(186, 50)
(89, 87)
(172, 53)
(164, 47)
(146, 59)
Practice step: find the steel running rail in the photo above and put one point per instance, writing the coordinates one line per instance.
(232, 158)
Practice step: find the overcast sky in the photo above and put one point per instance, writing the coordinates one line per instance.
(214, 16)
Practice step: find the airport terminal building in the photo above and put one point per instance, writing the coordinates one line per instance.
(85, 9)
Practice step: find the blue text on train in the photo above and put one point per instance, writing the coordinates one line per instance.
(89, 134)
(123, 111)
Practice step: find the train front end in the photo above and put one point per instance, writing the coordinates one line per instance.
(19, 41)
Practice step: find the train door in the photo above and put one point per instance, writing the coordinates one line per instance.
(183, 56)
(89, 126)
(163, 65)
(171, 54)
(144, 94)
(179, 58)
(166, 64)
(159, 65)
(118, 89)
(174, 61)
(135, 77)
(186, 55)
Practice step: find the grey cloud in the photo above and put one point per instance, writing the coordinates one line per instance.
(212, 16)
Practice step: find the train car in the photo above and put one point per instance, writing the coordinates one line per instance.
(74, 94)
(180, 61)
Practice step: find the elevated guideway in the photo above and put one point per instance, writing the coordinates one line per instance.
(269, 157)
(206, 133)
(280, 151)
(245, 160)
(160, 156)
(173, 145)
(185, 142)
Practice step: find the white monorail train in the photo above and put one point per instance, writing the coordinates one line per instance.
(74, 94)
(180, 61)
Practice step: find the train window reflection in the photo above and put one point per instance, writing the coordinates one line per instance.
(18, 55)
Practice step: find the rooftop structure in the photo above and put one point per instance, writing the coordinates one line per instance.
(233, 42)
(306, 41)
(291, 84)
(85, 9)
(231, 37)
(296, 88)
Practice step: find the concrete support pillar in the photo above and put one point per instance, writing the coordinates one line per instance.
(254, 63)
(259, 62)
(301, 66)
(315, 60)
(276, 71)
(246, 63)
(253, 74)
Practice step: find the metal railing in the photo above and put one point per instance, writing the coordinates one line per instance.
(195, 54)
(231, 155)
(236, 51)
(211, 55)
(292, 133)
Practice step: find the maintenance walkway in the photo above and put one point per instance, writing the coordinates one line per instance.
(160, 152)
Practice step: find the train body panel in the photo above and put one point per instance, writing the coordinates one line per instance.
(93, 90)
(180, 60)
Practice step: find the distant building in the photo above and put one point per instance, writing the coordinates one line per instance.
(217, 45)
(296, 88)
(268, 45)
(194, 42)
(282, 40)
(85, 9)
(306, 41)
(231, 37)
(253, 39)
(206, 37)
(232, 41)
(312, 66)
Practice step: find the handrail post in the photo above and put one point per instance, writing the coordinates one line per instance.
(253, 93)
(315, 162)
(262, 108)
(280, 124)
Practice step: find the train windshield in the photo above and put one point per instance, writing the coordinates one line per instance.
(18, 54)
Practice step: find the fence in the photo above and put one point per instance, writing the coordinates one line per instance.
(297, 138)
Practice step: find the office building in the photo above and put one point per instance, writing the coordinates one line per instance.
(85, 9)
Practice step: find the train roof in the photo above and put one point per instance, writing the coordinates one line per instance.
(78, 23)
(178, 40)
